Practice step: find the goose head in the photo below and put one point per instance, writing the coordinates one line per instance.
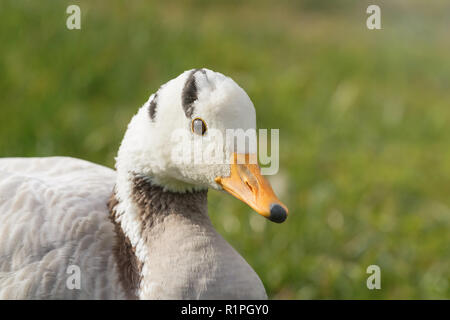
(182, 140)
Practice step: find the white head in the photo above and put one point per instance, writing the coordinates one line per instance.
(188, 116)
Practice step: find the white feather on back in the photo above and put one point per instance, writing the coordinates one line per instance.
(53, 214)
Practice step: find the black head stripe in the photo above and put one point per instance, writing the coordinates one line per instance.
(152, 107)
(189, 94)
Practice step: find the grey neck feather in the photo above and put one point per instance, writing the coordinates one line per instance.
(187, 258)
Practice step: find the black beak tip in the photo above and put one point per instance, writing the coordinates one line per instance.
(277, 213)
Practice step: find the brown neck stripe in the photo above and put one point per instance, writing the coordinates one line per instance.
(154, 204)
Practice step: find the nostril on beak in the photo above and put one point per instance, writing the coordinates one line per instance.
(277, 213)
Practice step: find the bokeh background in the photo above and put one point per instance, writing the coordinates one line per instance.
(363, 118)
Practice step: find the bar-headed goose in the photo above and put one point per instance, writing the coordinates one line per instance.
(72, 229)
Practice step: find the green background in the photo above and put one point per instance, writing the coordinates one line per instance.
(363, 118)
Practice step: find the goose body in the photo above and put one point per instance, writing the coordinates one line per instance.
(141, 231)
(53, 215)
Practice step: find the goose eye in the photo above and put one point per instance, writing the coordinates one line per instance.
(199, 126)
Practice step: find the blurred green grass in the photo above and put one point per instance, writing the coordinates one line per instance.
(363, 118)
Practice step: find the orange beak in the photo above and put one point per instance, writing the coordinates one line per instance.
(248, 185)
